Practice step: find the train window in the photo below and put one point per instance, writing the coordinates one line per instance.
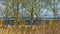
(11, 22)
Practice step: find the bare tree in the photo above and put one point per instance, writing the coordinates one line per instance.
(6, 13)
(15, 5)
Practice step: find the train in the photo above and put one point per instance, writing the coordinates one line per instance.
(27, 20)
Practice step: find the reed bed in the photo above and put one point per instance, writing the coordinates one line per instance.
(43, 29)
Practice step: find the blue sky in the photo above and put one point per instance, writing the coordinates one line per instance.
(44, 11)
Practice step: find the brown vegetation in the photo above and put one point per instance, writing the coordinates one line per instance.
(43, 29)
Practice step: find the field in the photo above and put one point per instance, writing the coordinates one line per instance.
(43, 29)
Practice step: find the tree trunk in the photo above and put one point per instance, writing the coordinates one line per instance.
(22, 23)
(7, 22)
(16, 14)
(31, 19)
(37, 24)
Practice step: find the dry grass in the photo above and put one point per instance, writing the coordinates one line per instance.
(43, 29)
